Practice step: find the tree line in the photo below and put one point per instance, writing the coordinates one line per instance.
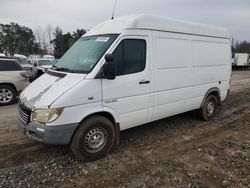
(62, 42)
(16, 39)
(241, 47)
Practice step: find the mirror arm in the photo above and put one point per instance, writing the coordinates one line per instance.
(100, 74)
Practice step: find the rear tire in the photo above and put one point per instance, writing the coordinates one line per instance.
(209, 108)
(7, 95)
(94, 139)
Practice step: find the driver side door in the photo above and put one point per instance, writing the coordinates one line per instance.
(128, 94)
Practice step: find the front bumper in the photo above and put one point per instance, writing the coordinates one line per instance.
(56, 135)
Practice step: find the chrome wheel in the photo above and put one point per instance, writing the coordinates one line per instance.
(210, 108)
(95, 140)
(5, 95)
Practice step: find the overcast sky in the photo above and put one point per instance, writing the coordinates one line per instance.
(72, 14)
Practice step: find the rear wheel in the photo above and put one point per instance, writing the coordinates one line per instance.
(7, 95)
(209, 108)
(94, 139)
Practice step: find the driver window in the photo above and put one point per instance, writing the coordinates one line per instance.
(130, 56)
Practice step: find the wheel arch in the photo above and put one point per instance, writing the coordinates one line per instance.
(9, 84)
(110, 116)
(215, 91)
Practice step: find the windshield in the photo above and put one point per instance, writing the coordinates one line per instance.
(85, 54)
(45, 62)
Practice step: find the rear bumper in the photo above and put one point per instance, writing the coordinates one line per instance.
(21, 85)
(56, 135)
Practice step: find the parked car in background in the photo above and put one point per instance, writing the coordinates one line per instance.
(51, 57)
(20, 56)
(33, 57)
(40, 66)
(13, 79)
(24, 64)
(241, 61)
(2, 55)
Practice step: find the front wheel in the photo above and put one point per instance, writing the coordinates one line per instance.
(209, 108)
(94, 139)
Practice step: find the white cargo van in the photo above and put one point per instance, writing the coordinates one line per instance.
(123, 73)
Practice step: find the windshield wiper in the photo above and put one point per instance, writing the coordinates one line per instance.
(68, 70)
(62, 69)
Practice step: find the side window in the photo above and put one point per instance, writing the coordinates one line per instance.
(8, 65)
(130, 56)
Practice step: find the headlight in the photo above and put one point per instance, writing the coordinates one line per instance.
(46, 115)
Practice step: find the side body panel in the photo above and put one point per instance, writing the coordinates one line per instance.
(185, 67)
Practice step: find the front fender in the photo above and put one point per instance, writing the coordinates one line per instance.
(76, 114)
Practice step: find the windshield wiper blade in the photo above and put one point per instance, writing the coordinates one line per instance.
(62, 69)
(68, 70)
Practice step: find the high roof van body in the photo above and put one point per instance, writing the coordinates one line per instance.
(124, 73)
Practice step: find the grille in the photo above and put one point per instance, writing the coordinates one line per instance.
(23, 112)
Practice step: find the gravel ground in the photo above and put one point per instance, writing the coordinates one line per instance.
(179, 151)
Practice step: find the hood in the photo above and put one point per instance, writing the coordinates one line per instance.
(26, 65)
(48, 88)
(47, 66)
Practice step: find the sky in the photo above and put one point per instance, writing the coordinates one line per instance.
(72, 14)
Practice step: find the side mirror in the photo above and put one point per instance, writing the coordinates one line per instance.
(35, 64)
(109, 58)
(109, 67)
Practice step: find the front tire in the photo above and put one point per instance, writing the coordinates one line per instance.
(209, 108)
(7, 95)
(94, 139)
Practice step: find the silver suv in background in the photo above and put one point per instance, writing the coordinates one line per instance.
(13, 79)
(24, 64)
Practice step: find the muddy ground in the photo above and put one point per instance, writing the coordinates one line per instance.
(180, 151)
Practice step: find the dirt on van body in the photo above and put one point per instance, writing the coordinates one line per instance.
(180, 151)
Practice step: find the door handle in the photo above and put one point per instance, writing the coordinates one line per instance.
(144, 82)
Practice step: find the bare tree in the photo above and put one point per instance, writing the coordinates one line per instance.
(49, 31)
(44, 43)
(38, 35)
(41, 39)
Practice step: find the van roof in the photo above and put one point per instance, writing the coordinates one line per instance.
(119, 24)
